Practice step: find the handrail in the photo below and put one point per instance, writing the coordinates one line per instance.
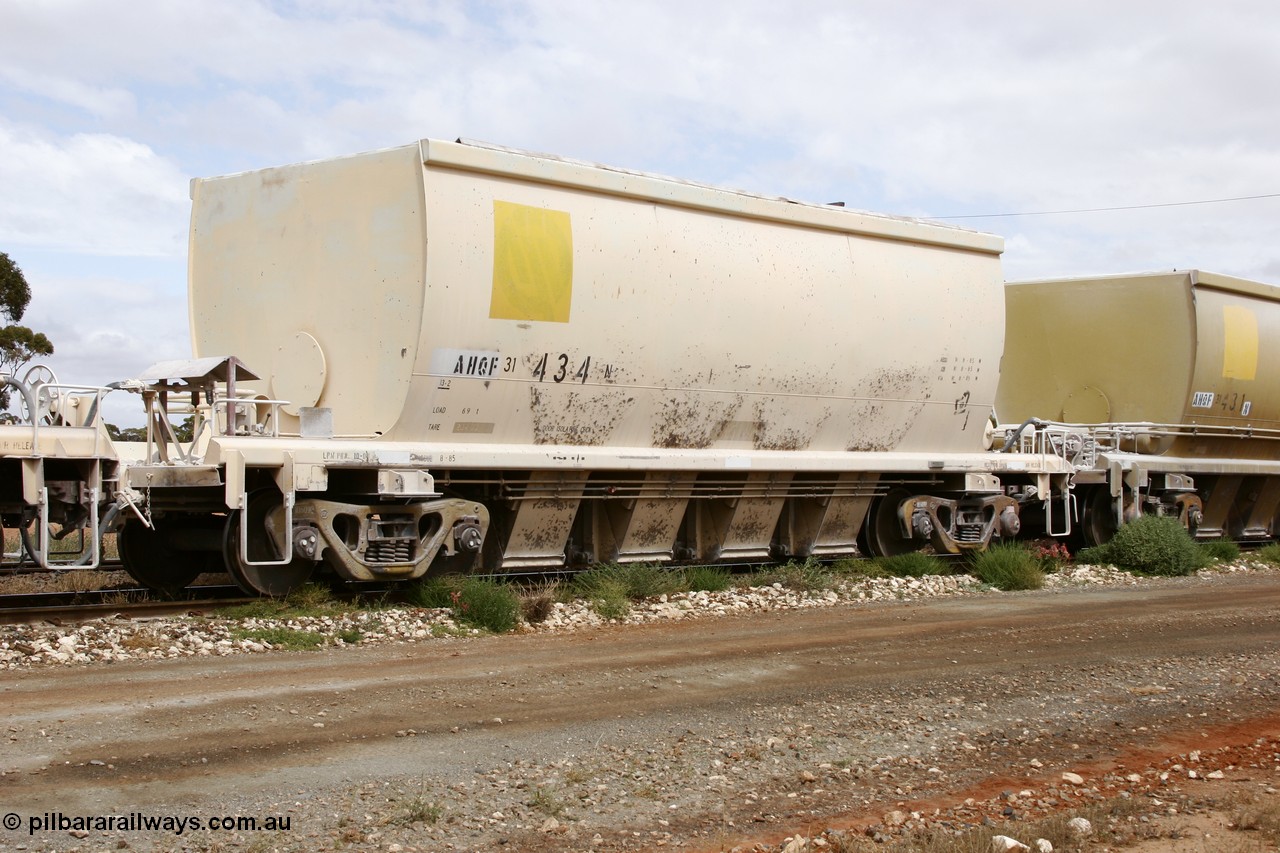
(1081, 445)
(273, 417)
(1147, 428)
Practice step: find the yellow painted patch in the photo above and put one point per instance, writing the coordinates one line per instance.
(1239, 343)
(532, 263)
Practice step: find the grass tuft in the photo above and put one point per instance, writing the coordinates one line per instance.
(611, 588)
(809, 576)
(282, 638)
(1252, 814)
(1220, 550)
(434, 592)
(1008, 566)
(418, 810)
(1098, 555)
(479, 602)
(537, 602)
(707, 579)
(310, 599)
(545, 801)
(606, 589)
(487, 604)
(1268, 554)
(913, 564)
(857, 568)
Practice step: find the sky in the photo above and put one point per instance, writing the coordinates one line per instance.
(1155, 121)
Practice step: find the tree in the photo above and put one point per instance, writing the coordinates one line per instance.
(18, 344)
(15, 293)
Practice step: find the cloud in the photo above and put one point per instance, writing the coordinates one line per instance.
(89, 193)
(108, 318)
(102, 102)
(912, 107)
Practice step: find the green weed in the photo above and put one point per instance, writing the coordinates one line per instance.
(281, 638)
(543, 800)
(1268, 554)
(1220, 550)
(913, 564)
(611, 587)
(478, 602)
(809, 576)
(1008, 566)
(418, 810)
(707, 578)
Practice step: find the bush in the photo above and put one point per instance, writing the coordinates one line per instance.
(478, 602)
(1220, 550)
(913, 564)
(487, 604)
(1008, 566)
(1155, 545)
(1098, 555)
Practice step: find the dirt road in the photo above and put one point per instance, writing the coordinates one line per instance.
(701, 734)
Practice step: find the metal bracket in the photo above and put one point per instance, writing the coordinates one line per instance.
(284, 479)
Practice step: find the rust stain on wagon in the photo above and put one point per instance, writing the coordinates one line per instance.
(550, 538)
(778, 427)
(658, 531)
(753, 527)
(585, 418)
(692, 422)
(894, 398)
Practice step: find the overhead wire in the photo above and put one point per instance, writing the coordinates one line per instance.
(1109, 209)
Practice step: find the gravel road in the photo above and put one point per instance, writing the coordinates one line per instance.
(798, 729)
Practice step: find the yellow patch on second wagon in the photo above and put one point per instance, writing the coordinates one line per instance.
(532, 263)
(1239, 343)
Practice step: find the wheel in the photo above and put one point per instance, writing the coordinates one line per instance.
(1099, 517)
(37, 378)
(882, 532)
(152, 561)
(270, 581)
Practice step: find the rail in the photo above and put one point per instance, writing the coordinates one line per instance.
(25, 608)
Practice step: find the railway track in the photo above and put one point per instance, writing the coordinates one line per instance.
(57, 607)
(27, 568)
